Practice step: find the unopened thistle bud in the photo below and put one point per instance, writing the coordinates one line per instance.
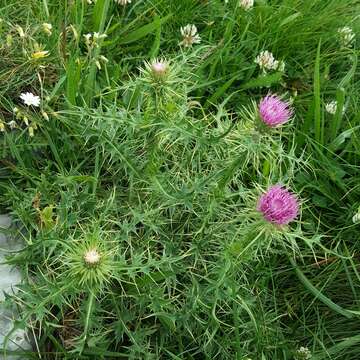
(159, 68)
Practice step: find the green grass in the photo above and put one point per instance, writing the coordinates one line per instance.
(162, 178)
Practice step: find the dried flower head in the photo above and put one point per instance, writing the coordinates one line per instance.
(246, 4)
(347, 36)
(274, 111)
(266, 61)
(278, 205)
(30, 99)
(190, 35)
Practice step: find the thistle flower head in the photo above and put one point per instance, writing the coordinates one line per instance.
(92, 257)
(157, 71)
(90, 262)
(30, 99)
(190, 35)
(159, 67)
(274, 111)
(278, 205)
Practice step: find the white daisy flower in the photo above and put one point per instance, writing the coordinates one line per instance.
(347, 36)
(30, 99)
(246, 4)
(190, 35)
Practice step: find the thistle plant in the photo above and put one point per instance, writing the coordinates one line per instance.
(89, 261)
(173, 201)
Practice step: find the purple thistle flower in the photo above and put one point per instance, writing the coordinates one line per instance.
(274, 111)
(278, 205)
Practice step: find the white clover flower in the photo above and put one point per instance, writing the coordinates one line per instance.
(123, 2)
(30, 99)
(266, 61)
(331, 107)
(190, 35)
(303, 353)
(246, 4)
(347, 36)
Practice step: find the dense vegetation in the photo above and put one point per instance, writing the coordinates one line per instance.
(133, 155)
